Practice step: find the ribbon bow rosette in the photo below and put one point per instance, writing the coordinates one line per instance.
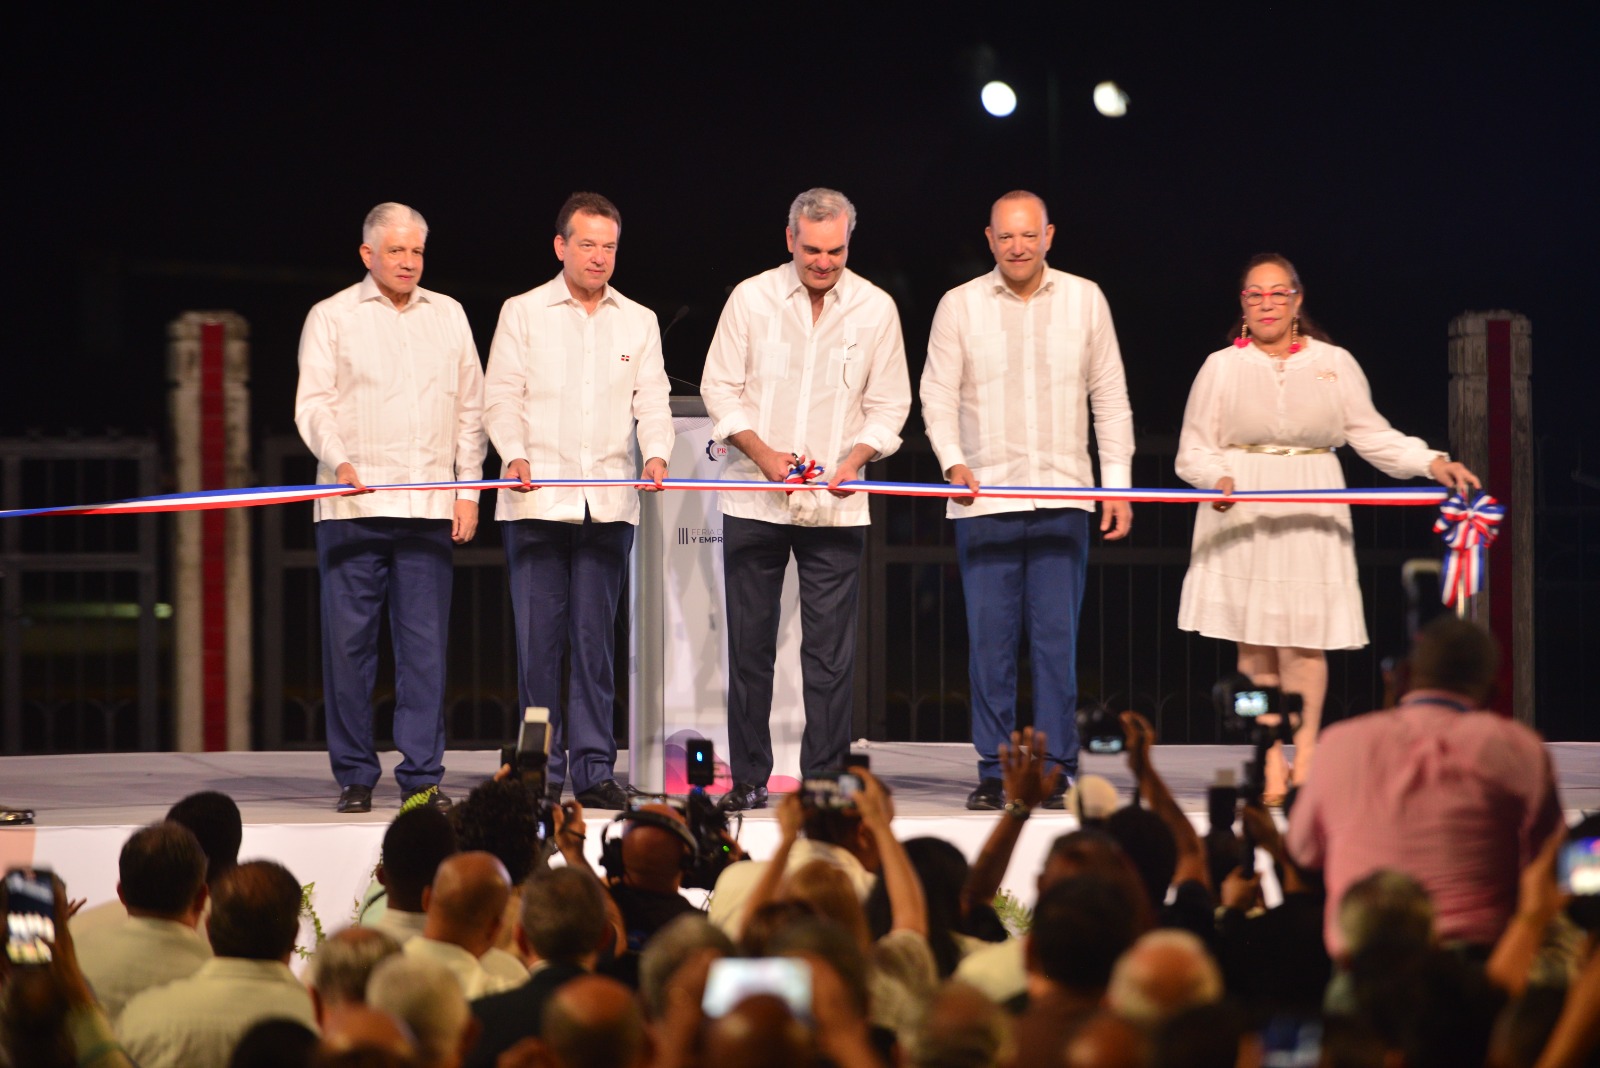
(1468, 529)
(803, 472)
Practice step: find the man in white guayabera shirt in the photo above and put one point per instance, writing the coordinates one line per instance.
(575, 377)
(390, 391)
(1018, 361)
(807, 361)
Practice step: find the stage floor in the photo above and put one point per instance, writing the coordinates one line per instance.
(86, 805)
(130, 789)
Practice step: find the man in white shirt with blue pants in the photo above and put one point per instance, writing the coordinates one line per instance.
(575, 377)
(1018, 360)
(390, 391)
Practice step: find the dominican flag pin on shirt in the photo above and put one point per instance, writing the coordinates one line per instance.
(623, 357)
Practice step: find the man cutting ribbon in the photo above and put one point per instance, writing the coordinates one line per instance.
(808, 352)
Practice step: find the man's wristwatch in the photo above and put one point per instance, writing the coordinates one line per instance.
(1018, 811)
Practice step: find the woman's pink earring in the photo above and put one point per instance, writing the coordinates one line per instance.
(1244, 336)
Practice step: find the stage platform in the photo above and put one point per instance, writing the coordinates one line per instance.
(87, 805)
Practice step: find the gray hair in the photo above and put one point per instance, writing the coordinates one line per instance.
(563, 913)
(820, 205)
(390, 214)
(345, 960)
(1387, 904)
(1166, 971)
(425, 997)
(668, 950)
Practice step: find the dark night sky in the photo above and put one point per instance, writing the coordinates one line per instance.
(1412, 167)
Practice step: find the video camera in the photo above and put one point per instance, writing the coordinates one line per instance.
(708, 845)
(1260, 716)
(529, 759)
(1100, 730)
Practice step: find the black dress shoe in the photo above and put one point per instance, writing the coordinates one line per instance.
(354, 798)
(743, 796)
(988, 797)
(435, 798)
(1058, 796)
(607, 794)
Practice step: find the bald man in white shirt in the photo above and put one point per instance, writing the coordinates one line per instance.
(807, 361)
(390, 391)
(1018, 362)
(575, 379)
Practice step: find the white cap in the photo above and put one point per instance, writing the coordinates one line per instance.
(1093, 797)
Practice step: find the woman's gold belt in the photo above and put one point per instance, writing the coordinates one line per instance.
(1284, 450)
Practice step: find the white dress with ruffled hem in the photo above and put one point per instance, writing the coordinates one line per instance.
(1281, 575)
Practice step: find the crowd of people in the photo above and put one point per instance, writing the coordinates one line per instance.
(1417, 921)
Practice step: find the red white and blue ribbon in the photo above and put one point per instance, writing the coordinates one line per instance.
(1468, 529)
(255, 497)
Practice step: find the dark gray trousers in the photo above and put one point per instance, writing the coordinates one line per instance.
(754, 557)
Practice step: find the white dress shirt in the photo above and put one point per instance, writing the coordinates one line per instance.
(121, 960)
(196, 1022)
(818, 389)
(396, 923)
(564, 391)
(395, 392)
(476, 980)
(1005, 385)
(999, 969)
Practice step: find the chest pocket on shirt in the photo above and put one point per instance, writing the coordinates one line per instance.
(547, 369)
(988, 356)
(437, 372)
(772, 360)
(1064, 344)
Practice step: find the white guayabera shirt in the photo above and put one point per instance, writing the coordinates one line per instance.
(395, 392)
(568, 391)
(818, 389)
(1010, 385)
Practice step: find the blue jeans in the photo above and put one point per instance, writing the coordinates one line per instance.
(1015, 566)
(566, 584)
(364, 563)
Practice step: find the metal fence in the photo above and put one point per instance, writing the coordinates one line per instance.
(83, 633)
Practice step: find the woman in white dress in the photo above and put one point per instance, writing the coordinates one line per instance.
(1280, 579)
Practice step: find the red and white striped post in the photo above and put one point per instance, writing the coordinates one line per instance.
(208, 364)
(1491, 431)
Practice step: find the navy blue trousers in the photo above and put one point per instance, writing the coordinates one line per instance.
(755, 555)
(566, 585)
(1018, 566)
(364, 564)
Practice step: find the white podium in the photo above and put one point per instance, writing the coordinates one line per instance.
(678, 650)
